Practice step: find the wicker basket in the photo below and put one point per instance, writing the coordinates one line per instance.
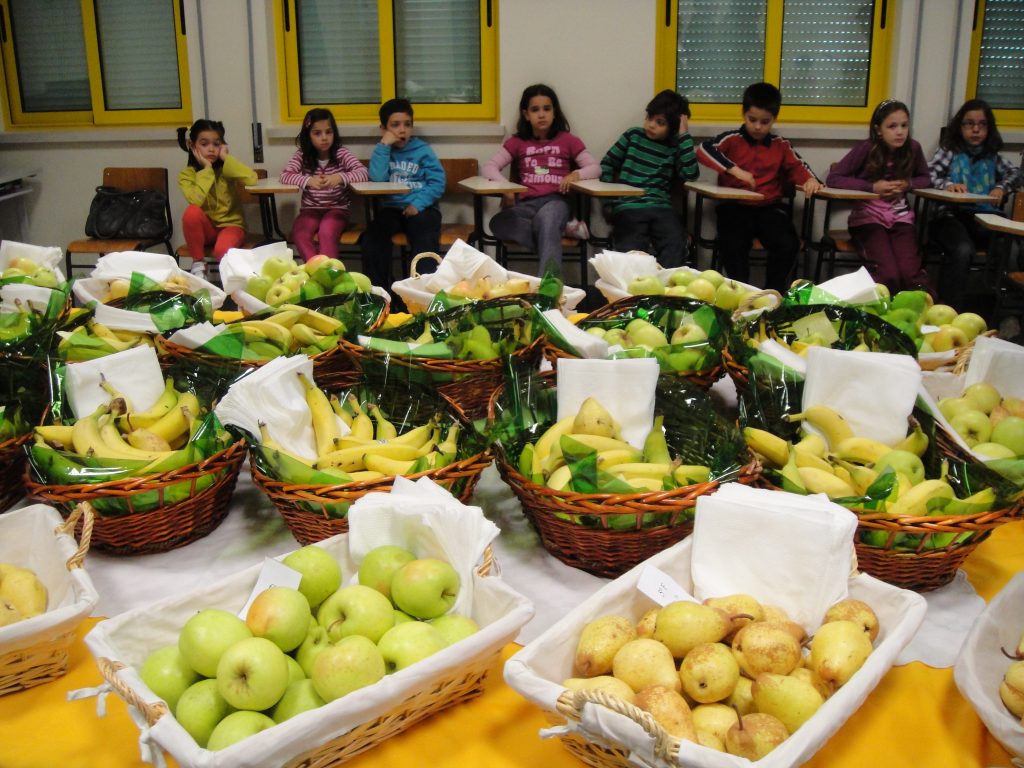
(12, 470)
(165, 527)
(46, 659)
(311, 511)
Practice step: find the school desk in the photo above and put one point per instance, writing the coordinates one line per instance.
(266, 191)
(704, 189)
(831, 240)
(1001, 228)
(591, 188)
(481, 187)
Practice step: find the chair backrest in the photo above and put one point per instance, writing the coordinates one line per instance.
(455, 170)
(132, 179)
(244, 196)
(1017, 214)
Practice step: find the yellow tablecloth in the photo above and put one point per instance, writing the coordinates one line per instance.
(915, 717)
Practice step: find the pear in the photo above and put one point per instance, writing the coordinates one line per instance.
(606, 683)
(645, 627)
(742, 608)
(856, 611)
(599, 641)
(788, 698)
(838, 649)
(9, 614)
(643, 662)
(755, 735)
(763, 647)
(773, 613)
(742, 699)
(715, 719)
(796, 630)
(20, 587)
(710, 741)
(683, 625)
(709, 672)
(810, 676)
(1011, 689)
(594, 419)
(669, 709)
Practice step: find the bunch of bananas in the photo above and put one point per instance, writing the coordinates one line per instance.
(93, 340)
(593, 429)
(852, 470)
(293, 329)
(22, 594)
(371, 449)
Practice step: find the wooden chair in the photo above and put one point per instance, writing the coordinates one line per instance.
(252, 239)
(126, 180)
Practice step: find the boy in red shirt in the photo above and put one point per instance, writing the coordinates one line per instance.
(752, 157)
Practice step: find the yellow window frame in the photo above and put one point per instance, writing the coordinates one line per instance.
(99, 115)
(1006, 118)
(667, 33)
(293, 109)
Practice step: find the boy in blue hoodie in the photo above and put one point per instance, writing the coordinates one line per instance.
(406, 159)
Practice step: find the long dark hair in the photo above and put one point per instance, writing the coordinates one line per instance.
(954, 138)
(880, 155)
(193, 133)
(303, 142)
(558, 124)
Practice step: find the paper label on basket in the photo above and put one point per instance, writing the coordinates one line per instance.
(272, 574)
(661, 587)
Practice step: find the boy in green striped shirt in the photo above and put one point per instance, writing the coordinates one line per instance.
(652, 157)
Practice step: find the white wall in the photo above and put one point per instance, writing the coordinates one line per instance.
(597, 54)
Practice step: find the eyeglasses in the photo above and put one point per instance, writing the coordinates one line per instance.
(971, 125)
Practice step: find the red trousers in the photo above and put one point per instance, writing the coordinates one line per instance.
(892, 256)
(326, 223)
(199, 232)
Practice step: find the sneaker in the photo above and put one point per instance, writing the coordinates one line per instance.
(199, 269)
(577, 230)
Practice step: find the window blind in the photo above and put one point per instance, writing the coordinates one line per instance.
(1001, 57)
(49, 45)
(826, 52)
(720, 49)
(138, 54)
(437, 50)
(339, 52)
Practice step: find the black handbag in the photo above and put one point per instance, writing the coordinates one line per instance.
(117, 215)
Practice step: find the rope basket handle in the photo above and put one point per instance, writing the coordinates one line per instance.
(488, 563)
(84, 512)
(963, 354)
(748, 303)
(416, 260)
(570, 704)
(109, 669)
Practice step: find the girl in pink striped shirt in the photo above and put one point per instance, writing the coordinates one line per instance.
(323, 168)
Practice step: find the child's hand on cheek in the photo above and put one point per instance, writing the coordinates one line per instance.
(222, 153)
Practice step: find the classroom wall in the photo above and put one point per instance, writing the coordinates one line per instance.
(597, 54)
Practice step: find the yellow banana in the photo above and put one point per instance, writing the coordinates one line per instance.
(267, 441)
(861, 450)
(655, 448)
(287, 318)
(340, 410)
(862, 477)
(304, 335)
(764, 443)
(167, 400)
(691, 474)
(812, 443)
(914, 502)
(117, 399)
(916, 442)
(264, 330)
(176, 421)
(101, 331)
(790, 472)
(607, 460)
(145, 440)
(807, 459)
(549, 440)
(389, 466)
(646, 483)
(362, 424)
(316, 320)
(827, 420)
(640, 469)
(416, 436)
(385, 429)
(116, 446)
(560, 478)
(56, 434)
(450, 445)
(818, 481)
(325, 423)
(85, 434)
(843, 474)
(365, 476)
(600, 442)
(354, 457)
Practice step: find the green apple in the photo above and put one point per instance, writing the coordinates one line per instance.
(992, 451)
(951, 406)
(409, 642)
(258, 286)
(947, 337)
(644, 333)
(321, 574)
(29, 267)
(252, 674)
(454, 627)
(316, 641)
(278, 294)
(12, 272)
(596, 330)
(200, 708)
(353, 663)
(713, 276)
(729, 294)
(280, 614)
(616, 337)
(918, 301)
(686, 360)
(45, 277)
(345, 284)
(882, 292)
(689, 333)
(312, 290)
(237, 726)
(300, 696)
(425, 588)
(205, 637)
(681, 277)
(381, 564)
(402, 616)
(168, 674)
(939, 314)
(974, 427)
(646, 285)
(1010, 432)
(295, 670)
(970, 323)
(677, 290)
(315, 263)
(362, 282)
(901, 461)
(984, 396)
(275, 266)
(703, 289)
(356, 610)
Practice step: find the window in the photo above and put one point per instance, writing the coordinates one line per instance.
(997, 59)
(94, 62)
(829, 59)
(352, 55)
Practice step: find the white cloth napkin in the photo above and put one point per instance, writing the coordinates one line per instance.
(11, 249)
(784, 549)
(618, 268)
(35, 296)
(121, 265)
(873, 391)
(426, 519)
(854, 288)
(624, 387)
(196, 335)
(587, 344)
(135, 373)
(784, 355)
(464, 262)
(952, 610)
(998, 362)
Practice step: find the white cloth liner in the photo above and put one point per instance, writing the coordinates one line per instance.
(853, 288)
(135, 373)
(50, 256)
(587, 344)
(874, 391)
(624, 387)
(37, 296)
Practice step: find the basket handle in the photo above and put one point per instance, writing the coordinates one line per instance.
(748, 302)
(109, 669)
(416, 260)
(963, 354)
(570, 704)
(488, 563)
(84, 511)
